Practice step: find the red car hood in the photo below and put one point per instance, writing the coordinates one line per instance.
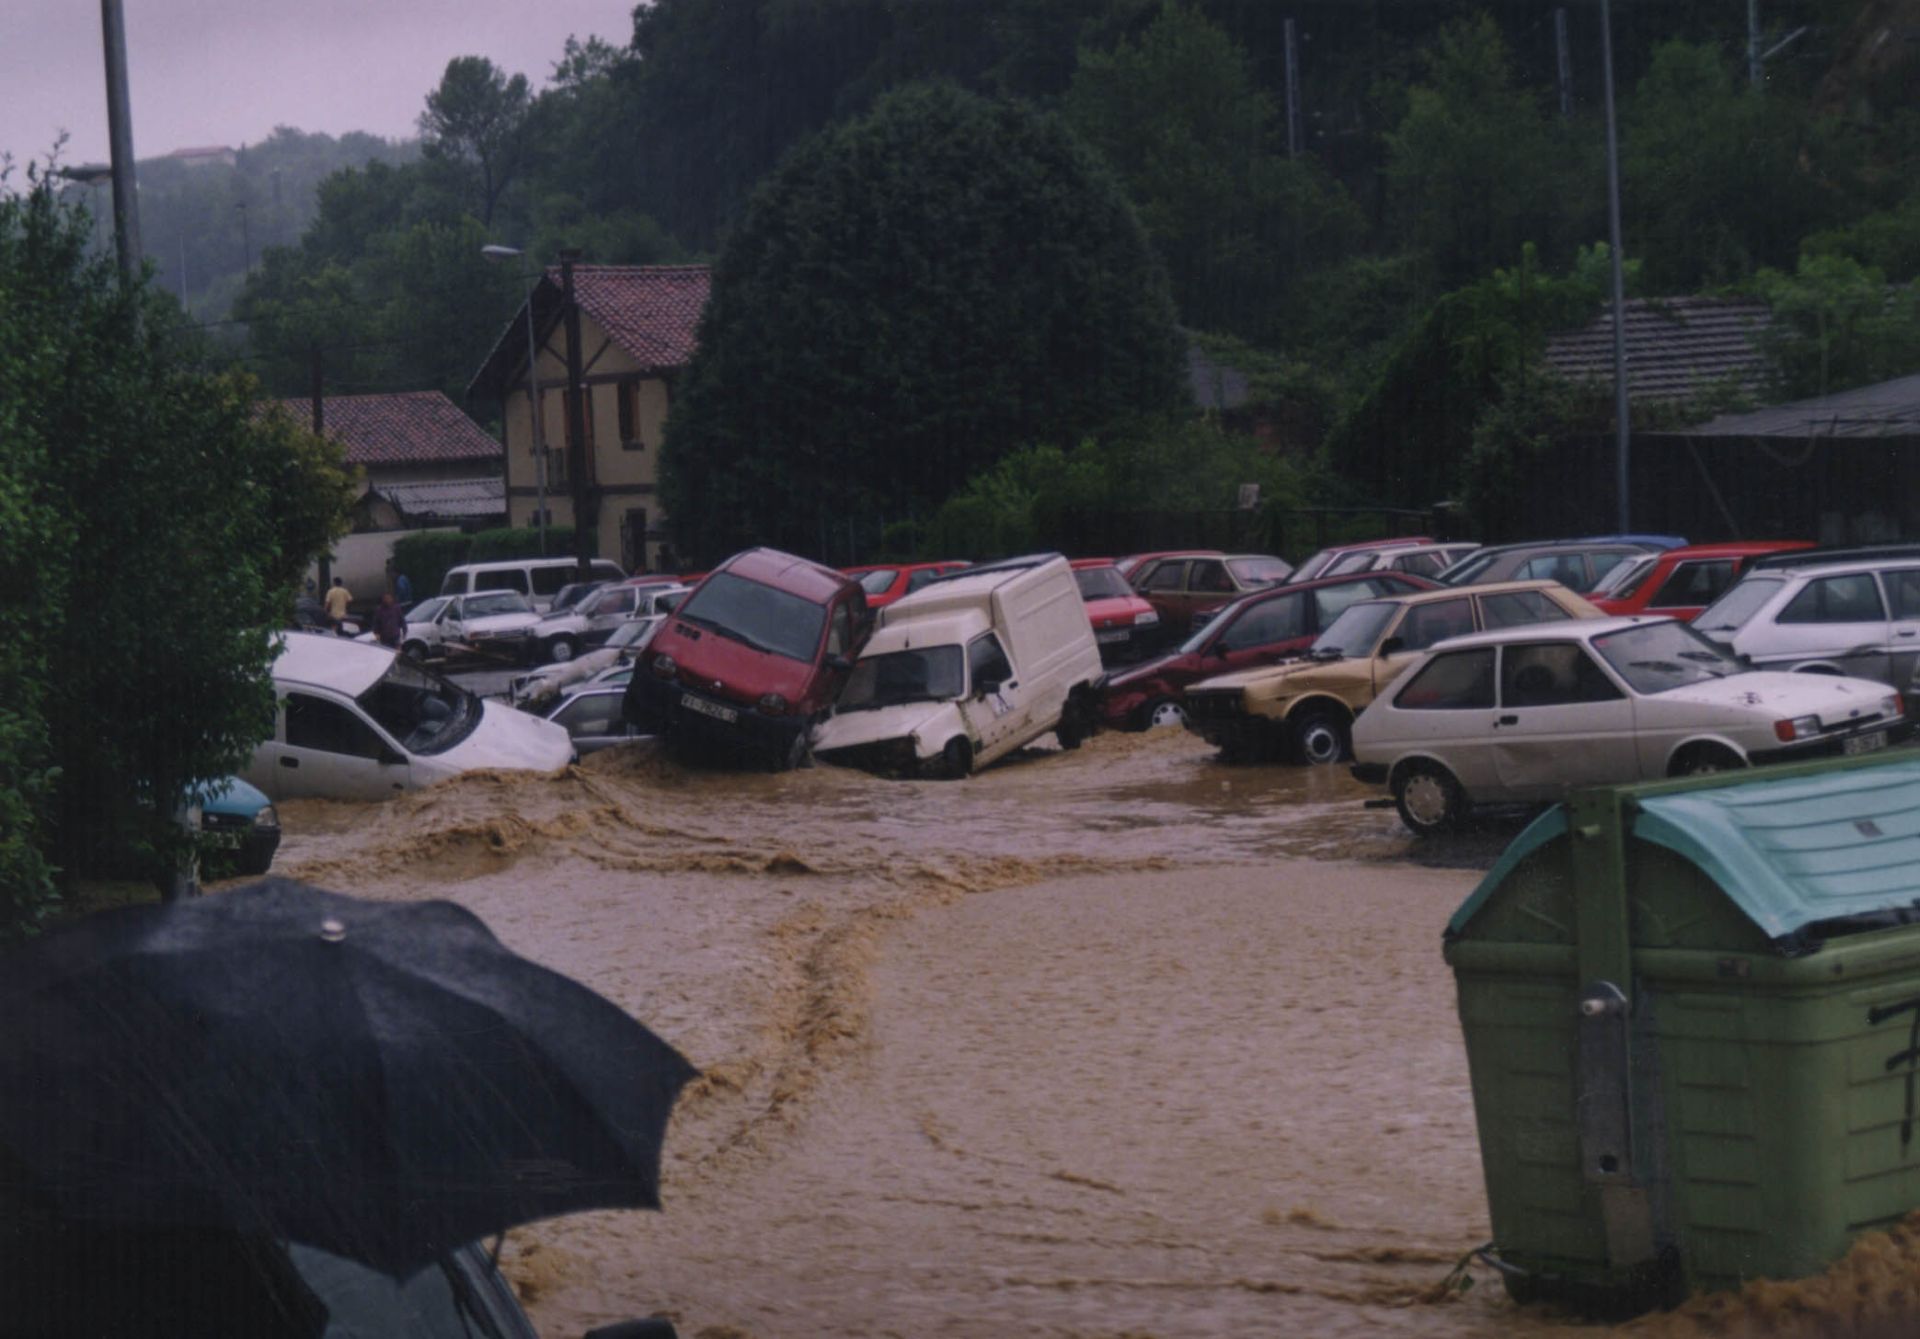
(1116, 611)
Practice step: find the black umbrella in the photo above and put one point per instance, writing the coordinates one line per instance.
(380, 1080)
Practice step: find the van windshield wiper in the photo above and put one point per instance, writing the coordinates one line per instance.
(734, 634)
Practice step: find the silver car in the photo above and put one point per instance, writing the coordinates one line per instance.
(1859, 618)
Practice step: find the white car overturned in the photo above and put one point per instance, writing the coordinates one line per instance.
(1526, 714)
(359, 722)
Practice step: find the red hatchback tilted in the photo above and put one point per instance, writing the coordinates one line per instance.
(750, 662)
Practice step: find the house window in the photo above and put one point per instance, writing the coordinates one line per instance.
(627, 397)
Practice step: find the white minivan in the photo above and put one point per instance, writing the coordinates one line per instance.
(358, 722)
(966, 670)
(536, 578)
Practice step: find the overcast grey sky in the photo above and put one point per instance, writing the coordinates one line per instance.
(204, 72)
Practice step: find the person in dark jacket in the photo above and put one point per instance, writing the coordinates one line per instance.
(389, 624)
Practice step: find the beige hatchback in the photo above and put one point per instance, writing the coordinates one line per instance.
(1302, 710)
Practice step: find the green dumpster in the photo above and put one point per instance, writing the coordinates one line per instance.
(1692, 1017)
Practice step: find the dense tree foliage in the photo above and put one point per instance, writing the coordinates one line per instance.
(909, 297)
(154, 529)
(476, 122)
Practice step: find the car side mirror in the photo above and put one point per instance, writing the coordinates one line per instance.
(1393, 645)
(839, 664)
(986, 686)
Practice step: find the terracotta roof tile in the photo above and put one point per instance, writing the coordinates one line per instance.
(406, 428)
(650, 312)
(1676, 347)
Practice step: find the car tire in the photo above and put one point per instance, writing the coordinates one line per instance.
(1430, 801)
(956, 759)
(1706, 760)
(1319, 738)
(797, 753)
(1162, 711)
(1072, 731)
(415, 650)
(561, 649)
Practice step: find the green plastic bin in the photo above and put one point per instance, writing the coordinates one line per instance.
(1692, 1017)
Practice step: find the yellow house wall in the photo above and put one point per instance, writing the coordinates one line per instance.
(634, 472)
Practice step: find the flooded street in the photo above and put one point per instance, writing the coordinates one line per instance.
(1113, 1042)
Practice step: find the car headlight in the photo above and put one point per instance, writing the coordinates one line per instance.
(773, 704)
(268, 817)
(1147, 619)
(1800, 727)
(665, 666)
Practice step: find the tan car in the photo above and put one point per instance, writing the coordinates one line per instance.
(1303, 710)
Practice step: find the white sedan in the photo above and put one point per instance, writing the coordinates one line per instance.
(1525, 714)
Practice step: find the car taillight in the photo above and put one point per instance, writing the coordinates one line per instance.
(773, 704)
(1800, 727)
(664, 666)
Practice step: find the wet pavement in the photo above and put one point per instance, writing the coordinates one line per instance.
(1121, 1041)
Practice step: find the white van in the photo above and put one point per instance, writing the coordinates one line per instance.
(966, 670)
(535, 578)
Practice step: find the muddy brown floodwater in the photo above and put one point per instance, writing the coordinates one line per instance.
(1118, 1042)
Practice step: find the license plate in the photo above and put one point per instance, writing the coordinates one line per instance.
(1867, 743)
(706, 708)
(1105, 637)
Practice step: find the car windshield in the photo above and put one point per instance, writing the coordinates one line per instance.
(423, 711)
(757, 615)
(427, 610)
(878, 582)
(1463, 572)
(1355, 631)
(928, 674)
(635, 632)
(1731, 611)
(1655, 657)
(1101, 583)
(1625, 579)
(1258, 571)
(498, 602)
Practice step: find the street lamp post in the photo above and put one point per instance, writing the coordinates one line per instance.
(504, 253)
(1622, 409)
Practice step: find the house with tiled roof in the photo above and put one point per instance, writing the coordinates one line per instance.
(638, 325)
(1677, 349)
(423, 461)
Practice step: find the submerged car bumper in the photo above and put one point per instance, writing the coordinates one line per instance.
(668, 708)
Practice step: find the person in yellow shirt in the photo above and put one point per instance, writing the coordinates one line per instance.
(337, 601)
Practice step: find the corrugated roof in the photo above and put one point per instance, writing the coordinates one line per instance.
(450, 498)
(403, 428)
(1676, 347)
(650, 312)
(1888, 409)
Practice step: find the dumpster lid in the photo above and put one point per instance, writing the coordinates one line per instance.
(1842, 845)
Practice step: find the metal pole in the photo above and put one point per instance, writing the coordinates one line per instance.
(1754, 71)
(583, 510)
(1623, 424)
(1564, 62)
(533, 417)
(1293, 94)
(126, 206)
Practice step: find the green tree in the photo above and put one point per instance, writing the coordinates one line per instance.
(1178, 115)
(1474, 168)
(166, 524)
(909, 297)
(477, 118)
(1837, 324)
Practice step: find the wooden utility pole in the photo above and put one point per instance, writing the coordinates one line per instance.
(315, 381)
(585, 504)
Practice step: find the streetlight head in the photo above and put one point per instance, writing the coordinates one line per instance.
(493, 252)
(87, 173)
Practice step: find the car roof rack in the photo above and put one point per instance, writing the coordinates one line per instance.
(1826, 557)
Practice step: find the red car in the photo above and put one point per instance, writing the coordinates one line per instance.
(1258, 629)
(1125, 625)
(1133, 562)
(752, 659)
(887, 582)
(1682, 582)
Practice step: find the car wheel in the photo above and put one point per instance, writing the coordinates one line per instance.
(1072, 730)
(1162, 711)
(1430, 801)
(414, 650)
(956, 759)
(1706, 760)
(561, 649)
(796, 755)
(1319, 737)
